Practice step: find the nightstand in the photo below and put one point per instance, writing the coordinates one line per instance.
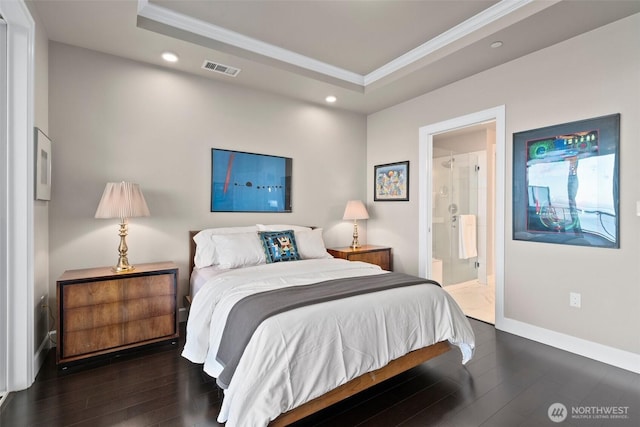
(101, 312)
(378, 255)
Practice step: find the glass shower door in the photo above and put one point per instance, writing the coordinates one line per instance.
(455, 216)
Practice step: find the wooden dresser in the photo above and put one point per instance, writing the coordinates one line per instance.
(100, 311)
(379, 255)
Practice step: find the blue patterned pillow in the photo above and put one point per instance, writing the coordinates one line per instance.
(279, 246)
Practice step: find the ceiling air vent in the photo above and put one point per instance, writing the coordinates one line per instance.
(220, 68)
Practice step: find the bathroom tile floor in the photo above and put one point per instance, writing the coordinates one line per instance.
(476, 300)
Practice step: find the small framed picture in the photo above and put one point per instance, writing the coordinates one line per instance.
(391, 182)
(43, 166)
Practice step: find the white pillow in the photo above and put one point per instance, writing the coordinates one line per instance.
(205, 249)
(310, 244)
(282, 227)
(238, 250)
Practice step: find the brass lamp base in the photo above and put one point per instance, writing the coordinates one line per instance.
(122, 269)
(123, 263)
(354, 243)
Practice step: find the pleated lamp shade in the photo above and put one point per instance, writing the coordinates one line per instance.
(355, 209)
(122, 200)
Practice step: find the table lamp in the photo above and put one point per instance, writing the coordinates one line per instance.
(122, 200)
(355, 210)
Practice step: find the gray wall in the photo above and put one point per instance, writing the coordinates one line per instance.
(113, 119)
(592, 75)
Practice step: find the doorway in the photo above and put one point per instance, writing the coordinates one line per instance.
(475, 192)
(457, 194)
(463, 217)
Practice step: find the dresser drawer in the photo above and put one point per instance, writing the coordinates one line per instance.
(92, 293)
(87, 341)
(144, 308)
(92, 316)
(378, 255)
(161, 284)
(150, 328)
(380, 258)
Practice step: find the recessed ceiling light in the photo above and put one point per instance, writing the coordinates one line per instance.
(331, 99)
(496, 44)
(170, 57)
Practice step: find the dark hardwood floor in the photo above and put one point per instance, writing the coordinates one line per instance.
(511, 381)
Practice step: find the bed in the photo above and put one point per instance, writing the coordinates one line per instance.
(301, 360)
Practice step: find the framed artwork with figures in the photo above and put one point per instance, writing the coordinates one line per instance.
(391, 182)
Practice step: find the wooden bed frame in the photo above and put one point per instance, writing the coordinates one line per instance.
(356, 385)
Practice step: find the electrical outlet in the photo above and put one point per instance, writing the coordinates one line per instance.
(575, 299)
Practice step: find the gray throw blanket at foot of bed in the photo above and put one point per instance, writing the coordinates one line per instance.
(247, 314)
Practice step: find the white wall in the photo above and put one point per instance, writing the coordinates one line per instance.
(595, 74)
(113, 119)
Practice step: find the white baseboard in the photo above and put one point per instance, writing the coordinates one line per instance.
(3, 397)
(41, 354)
(602, 353)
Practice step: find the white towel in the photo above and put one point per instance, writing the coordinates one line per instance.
(467, 247)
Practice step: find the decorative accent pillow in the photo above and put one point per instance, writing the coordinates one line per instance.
(311, 245)
(238, 250)
(279, 246)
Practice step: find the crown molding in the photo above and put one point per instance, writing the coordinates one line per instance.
(219, 34)
(476, 22)
(232, 38)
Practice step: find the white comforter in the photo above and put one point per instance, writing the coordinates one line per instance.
(301, 354)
